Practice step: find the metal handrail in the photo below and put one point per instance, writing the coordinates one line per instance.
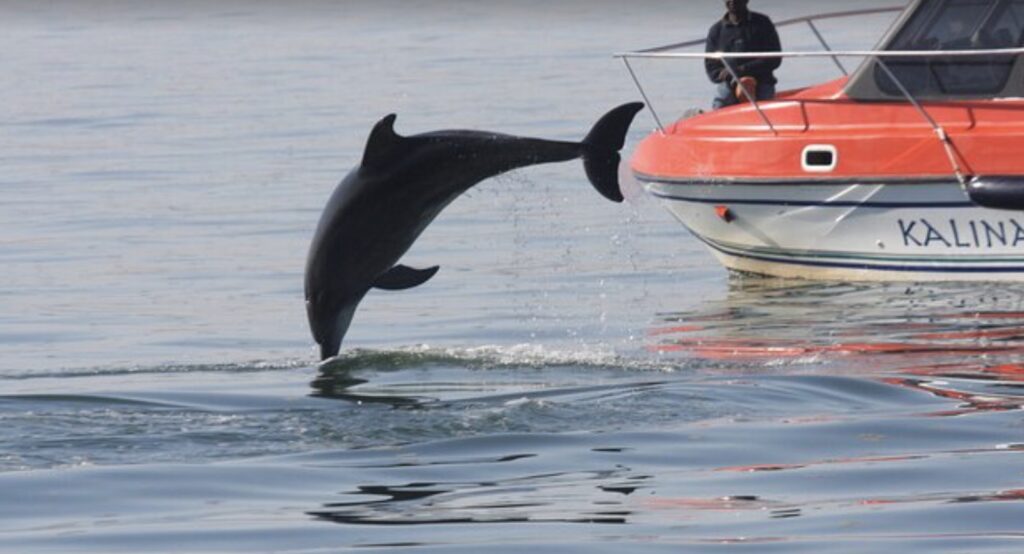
(837, 53)
(785, 23)
(874, 54)
(659, 50)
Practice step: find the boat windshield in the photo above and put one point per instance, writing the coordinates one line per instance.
(950, 25)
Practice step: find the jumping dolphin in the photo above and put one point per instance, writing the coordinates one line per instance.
(381, 207)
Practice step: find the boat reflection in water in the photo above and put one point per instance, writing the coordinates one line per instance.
(955, 341)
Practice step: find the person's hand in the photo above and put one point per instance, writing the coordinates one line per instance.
(724, 75)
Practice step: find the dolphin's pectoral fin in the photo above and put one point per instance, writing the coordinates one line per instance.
(403, 277)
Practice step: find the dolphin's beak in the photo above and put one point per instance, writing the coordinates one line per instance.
(329, 349)
(333, 331)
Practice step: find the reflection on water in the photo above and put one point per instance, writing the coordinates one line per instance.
(548, 498)
(959, 342)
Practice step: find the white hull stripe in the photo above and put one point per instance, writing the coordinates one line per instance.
(809, 203)
(798, 181)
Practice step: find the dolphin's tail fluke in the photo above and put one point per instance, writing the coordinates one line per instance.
(601, 149)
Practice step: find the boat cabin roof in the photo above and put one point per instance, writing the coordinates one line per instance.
(943, 26)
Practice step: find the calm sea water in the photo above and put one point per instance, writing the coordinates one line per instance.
(580, 377)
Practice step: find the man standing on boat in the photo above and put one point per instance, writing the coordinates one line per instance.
(742, 30)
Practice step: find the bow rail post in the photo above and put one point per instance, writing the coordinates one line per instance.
(643, 93)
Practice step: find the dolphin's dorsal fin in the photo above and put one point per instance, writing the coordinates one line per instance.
(403, 277)
(383, 143)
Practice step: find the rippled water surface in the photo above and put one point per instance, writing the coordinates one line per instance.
(580, 376)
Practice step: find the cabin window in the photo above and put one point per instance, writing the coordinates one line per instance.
(956, 25)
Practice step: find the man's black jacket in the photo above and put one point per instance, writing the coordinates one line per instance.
(756, 33)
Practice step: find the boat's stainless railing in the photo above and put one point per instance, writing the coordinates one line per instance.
(809, 20)
(878, 56)
(661, 51)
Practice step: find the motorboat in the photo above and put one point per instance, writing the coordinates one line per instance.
(909, 168)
